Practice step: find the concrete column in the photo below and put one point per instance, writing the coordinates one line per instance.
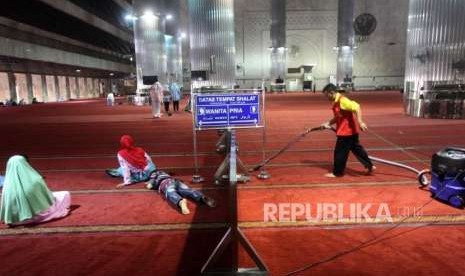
(86, 87)
(12, 84)
(212, 43)
(149, 39)
(68, 89)
(30, 91)
(435, 59)
(186, 69)
(78, 90)
(278, 40)
(44, 88)
(57, 87)
(345, 42)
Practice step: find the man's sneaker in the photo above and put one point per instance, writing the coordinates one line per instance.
(112, 172)
(330, 175)
(183, 206)
(210, 202)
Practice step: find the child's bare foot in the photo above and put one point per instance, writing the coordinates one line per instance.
(331, 175)
(371, 170)
(183, 206)
(119, 186)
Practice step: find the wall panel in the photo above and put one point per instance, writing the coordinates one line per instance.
(4, 87)
(51, 89)
(37, 87)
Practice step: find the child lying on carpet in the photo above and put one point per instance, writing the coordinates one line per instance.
(135, 165)
(26, 198)
(176, 191)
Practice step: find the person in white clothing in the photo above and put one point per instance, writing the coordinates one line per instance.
(110, 99)
(156, 95)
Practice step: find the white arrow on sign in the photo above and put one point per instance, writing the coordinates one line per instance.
(212, 123)
(245, 121)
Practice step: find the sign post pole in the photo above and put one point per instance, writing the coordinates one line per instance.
(231, 110)
(196, 178)
(263, 173)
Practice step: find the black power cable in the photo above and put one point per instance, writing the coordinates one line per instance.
(365, 243)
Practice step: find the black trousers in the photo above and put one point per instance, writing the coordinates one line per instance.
(344, 145)
(167, 106)
(175, 105)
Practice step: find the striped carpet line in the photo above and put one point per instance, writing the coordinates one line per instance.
(245, 152)
(275, 165)
(326, 224)
(328, 185)
(256, 187)
(111, 228)
(396, 146)
(351, 222)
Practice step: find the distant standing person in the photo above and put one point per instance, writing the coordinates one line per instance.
(114, 88)
(348, 120)
(110, 99)
(175, 92)
(167, 101)
(156, 95)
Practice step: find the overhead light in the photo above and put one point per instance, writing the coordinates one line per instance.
(78, 70)
(182, 35)
(148, 14)
(111, 74)
(169, 17)
(129, 17)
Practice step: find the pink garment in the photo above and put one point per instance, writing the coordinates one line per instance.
(59, 208)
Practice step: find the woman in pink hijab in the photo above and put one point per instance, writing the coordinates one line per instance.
(135, 164)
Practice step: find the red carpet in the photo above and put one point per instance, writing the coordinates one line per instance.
(136, 232)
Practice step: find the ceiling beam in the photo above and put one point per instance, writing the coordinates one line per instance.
(31, 29)
(125, 5)
(25, 50)
(89, 18)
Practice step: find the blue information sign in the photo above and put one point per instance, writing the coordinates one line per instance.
(227, 110)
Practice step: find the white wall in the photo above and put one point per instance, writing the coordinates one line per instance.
(383, 55)
(311, 36)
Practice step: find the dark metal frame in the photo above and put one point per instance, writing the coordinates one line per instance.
(234, 236)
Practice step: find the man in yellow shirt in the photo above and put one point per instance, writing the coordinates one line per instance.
(348, 120)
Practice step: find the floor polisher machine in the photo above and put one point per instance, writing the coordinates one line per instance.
(448, 176)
